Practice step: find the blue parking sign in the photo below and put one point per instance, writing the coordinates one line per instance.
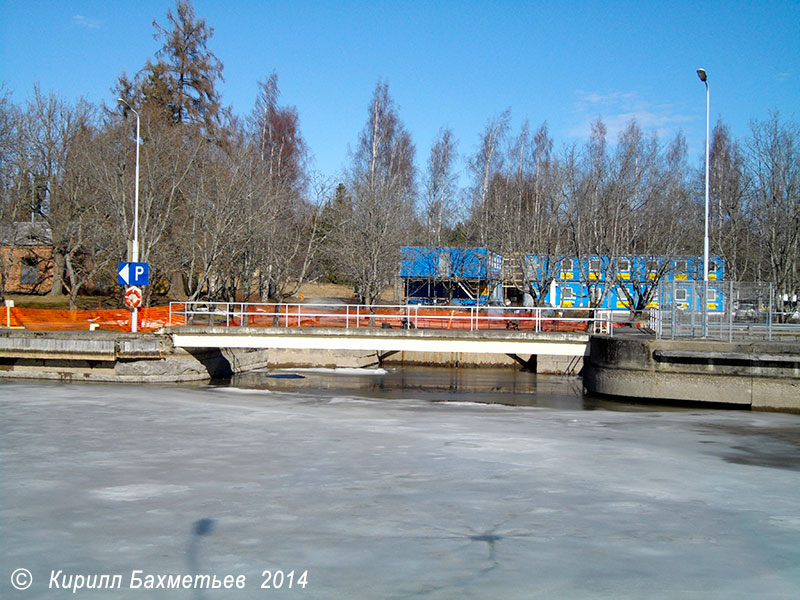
(133, 273)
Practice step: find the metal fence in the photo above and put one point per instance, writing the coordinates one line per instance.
(240, 314)
(724, 310)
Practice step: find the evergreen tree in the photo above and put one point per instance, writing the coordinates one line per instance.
(181, 85)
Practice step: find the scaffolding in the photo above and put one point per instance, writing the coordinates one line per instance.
(458, 276)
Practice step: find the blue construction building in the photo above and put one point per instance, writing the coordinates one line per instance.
(632, 282)
(477, 276)
(458, 276)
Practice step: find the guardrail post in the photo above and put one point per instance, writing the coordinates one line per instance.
(730, 311)
(769, 312)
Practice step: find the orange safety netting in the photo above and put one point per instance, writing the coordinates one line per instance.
(389, 317)
(149, 319)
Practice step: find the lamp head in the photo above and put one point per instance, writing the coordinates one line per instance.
(701, 73)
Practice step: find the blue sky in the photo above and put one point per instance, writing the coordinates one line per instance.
(447, 63)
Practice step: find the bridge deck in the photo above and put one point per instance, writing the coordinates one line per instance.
(384, 340)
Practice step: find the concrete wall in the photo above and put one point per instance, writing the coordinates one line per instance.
(762, 375)
(109, 356)
(558, 365)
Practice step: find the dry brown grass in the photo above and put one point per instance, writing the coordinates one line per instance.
(311, 291)
(62, 302)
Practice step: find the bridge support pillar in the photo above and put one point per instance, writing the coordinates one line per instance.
(385, 355)
(527, 365)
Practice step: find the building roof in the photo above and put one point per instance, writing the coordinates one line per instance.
(25, 233)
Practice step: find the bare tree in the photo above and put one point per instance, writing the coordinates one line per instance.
(590, 210)
(286, 222)
(88, 239)
(669, 208)
(215, 217)
(731, 222)
(374, 223)
(521, 206)
(441, 191)
(12, 179)
(169, 160)
(609, 200)
(774, 165)
(485, 166)
(540, 227)
(50, 129)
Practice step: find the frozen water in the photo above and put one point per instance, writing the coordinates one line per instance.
(395, 496)
(366, 371)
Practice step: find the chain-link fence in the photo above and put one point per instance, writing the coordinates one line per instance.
(725, 310)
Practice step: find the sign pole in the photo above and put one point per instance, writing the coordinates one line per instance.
(133, 274)
(134, 254)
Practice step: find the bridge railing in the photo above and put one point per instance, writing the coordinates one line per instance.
(538, 319)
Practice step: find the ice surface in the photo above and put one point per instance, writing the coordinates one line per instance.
(395, 497)
(341, 370)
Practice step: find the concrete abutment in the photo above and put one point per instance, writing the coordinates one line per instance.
(759, 375)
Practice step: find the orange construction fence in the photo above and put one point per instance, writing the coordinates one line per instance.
(283, 315)
(149, 319)
(153, 318)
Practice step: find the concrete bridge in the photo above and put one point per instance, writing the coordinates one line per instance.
(182, 353)
(522, 346)
(438, 334)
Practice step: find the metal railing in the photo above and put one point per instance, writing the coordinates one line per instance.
(536, 319)
(725, 311)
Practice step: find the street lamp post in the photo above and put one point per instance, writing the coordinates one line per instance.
(134, 252)
(701, 73)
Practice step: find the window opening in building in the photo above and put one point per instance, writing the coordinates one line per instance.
(29, 271)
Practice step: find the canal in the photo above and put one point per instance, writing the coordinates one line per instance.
(413, 483)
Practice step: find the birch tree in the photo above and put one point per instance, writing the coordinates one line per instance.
(441, 189)
(774, 164)
(485, 166)
(731, 227)
(377, 219)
